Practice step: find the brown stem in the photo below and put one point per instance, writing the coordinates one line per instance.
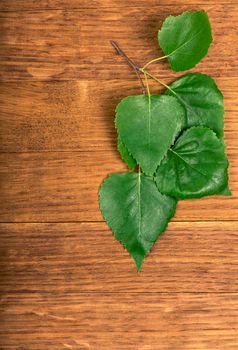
(130, 63)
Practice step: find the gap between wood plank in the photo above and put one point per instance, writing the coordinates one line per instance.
(99, 222)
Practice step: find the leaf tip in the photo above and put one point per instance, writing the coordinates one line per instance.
(138, 261)
(226, 192)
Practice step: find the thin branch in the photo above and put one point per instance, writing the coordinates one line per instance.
(130, 63)
(123, 54)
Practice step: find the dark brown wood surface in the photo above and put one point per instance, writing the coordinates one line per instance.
(65, 283)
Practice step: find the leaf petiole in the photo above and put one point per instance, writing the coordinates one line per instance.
(153, 61)
(156, 79)
(146, 83)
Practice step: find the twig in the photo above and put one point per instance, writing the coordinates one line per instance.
(130, 63)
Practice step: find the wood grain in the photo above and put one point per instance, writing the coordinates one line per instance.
(182, 340)
(63, 186)
(79, 115)
(84, 257)
(152, 320)
(22, 5)
(74, 44)
(65, 283)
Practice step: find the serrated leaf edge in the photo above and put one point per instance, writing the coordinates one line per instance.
(130, 168)
(173, 141)
(212, 193)
(167, 56)
(138, 266)
(184, 104)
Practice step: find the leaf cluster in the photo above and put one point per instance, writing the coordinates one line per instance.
(172, 143)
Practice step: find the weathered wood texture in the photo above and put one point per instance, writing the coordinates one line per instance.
(74, 44)
(65, 283)
(119, 321)
(84, 257)
(63, 186)
(78, 118)
(79, 115)
(122, 5)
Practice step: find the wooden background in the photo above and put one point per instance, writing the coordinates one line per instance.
(65, 283)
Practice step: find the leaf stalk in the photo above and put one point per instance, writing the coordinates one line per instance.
(153, 61)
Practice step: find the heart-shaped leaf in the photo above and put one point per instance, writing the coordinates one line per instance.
(202, 100)
(126, 156)
(148, 125)
(185, 39)
(196, 166)
(136, 211)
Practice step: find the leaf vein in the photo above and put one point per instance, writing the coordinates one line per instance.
(187, 42)
(198, 171)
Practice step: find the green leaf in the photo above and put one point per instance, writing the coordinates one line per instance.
(136, 211)
(202, 100)
(196, 166)
(148, 125)
(226, 191)
(126, 156)
(185, 39)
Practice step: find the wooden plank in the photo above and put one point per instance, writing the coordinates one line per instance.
(85, 257)
(45, 116)
(71, 285)
(131, 321)
(22, 5)
(185, 340)
(69, 45)
(79, 115)
(63, 186)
